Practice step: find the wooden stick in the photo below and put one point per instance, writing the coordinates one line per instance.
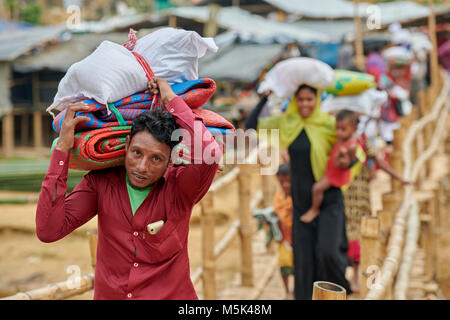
(93, 240)
(208, 258)
(323, 290)
(370, 250)
(37, 129)
(359, 49)
(172, 21)
(57, 291)
(434, 66)
(246, 226)
(8, 134)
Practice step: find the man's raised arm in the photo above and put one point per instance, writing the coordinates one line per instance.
(205, 152)
(56, 214)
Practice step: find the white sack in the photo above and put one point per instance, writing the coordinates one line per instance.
(173, 53)
(112, 72)
(287, 75)
(108, 74)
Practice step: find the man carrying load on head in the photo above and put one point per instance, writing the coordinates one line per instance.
(136, 257)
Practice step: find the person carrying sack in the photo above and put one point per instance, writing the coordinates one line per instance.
(143, 207)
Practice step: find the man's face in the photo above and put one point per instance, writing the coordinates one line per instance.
(146, 159)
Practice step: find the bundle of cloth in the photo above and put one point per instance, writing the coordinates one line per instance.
(100, 142)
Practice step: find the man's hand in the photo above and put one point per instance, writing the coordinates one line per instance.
(67, 134)
(161, 87)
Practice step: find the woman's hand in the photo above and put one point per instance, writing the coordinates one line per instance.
(160, 86)
(67, 134)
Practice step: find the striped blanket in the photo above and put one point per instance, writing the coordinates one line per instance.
(100, 142)
(195, 93)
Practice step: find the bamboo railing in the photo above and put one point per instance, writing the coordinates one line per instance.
(244, 227)
(416, 211)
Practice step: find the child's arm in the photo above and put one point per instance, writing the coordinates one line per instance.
(317, 197)
(388, 169)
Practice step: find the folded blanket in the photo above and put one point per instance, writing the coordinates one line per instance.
(195, 93)
(105, 148)
(100, 142)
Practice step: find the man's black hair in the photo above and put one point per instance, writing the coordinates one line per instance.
(305, 86)
(284, 169)
(159, 122)
(349, 115)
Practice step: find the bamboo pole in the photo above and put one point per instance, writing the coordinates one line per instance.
(359, 48)
(8, 134)
(210, 26)
(208, 258)
(323, 290)
(370, 250)
(172, 21)
(93, 240)
(434, 66)
(397, 159)
(37, 129)
(246, 226)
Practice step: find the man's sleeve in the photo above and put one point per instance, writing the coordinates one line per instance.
(195, 178)
(57, 214)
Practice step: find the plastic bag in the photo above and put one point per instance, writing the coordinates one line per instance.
(112, 72)
(286, 76)
(173, 53)
(350, 83)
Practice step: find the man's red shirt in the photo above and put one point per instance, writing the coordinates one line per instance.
(160, 270)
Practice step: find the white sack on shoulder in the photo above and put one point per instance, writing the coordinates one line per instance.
(173, 53)
(286, 76)
(108, 74)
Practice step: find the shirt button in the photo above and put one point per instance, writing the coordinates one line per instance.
(135, 264)
(61, 163)
(129, 295)
(171, 110)
(135, 234)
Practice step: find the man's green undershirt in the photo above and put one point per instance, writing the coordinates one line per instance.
(137, 196)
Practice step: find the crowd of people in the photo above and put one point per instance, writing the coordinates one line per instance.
(329, 159)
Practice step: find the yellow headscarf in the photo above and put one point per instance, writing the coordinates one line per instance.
(319, 127)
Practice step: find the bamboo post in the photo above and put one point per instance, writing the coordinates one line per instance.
(210, 26)
(397, 158)
(57, 291)
(359, 48)
(93, 240)
(37, 129)
(246, 225)
(434, 66)
(37, 116)
(370, 253)
(208, 257)
(390, 204)
(429, 237)
(172, 21)
(8, 134)
(323, 290)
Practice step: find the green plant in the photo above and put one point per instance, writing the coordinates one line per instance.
(31, 12)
